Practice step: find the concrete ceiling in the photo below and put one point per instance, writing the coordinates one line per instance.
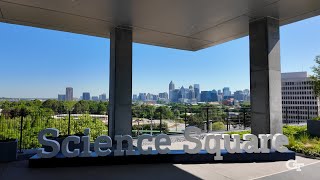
(181, 24)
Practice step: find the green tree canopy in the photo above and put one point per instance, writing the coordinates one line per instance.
(316, 76)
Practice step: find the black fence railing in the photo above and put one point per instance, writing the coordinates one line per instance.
(174, 121)
(145, 121)
(299, 114)
(26, 129)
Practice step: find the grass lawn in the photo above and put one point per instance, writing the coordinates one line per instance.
(300, 140)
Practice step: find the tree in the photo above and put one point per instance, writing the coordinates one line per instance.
(102, 108)
(165, 112)
(316, 77)
(81, 107)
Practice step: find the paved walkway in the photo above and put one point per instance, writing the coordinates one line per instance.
(224, 171)
(236, 171)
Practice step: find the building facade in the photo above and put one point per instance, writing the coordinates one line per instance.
(171, 89)
(134, 97)
(239, 95)
(103, 97)
(164, 96)
(61, 97)
(142, 97)
(184, 95)
(95, 98)
(197, 92)
(246, 94)
(69, 94)
(86, 96)
(226, 92)
(298, 100)
(209, 96)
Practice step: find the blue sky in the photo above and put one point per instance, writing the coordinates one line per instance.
(41, 63)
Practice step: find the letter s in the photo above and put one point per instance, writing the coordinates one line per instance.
(187, 133)
(48, 142)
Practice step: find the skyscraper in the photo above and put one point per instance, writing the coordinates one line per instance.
(69, 94)
(163, 95)
(214, 96)
(191, 94)
(209, 96)
(246, 94)
(239, 95)
(142, 96)
(205, 96)
(175, 95)
(171, 88)
(103, 97)
(86, 96)
(226, 92)
(134, 97)
(197, 91)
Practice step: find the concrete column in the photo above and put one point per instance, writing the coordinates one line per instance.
(120, 85)
(265, 76)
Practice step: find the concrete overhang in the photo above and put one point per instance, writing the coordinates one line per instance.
(181, 24)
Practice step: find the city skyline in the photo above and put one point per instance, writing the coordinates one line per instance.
(37, 68)
(90, 95)
(193, 94)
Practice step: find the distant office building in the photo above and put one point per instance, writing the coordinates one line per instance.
(205, 96)
(149, 96)
(61, 97)
(239, 95)
(226, 92)
(209, 96)
(69, 94)
(142, 97)
(103, 97)
(155, 97)
(214, 96)
(220, 97)
(86, 96)
(171, 89)
(175, 95)
(95, 98)
(184, 95)
(163, 95)
(134, 97)
(191, 93)
(246, 95)
(298, 97)
(197, 91)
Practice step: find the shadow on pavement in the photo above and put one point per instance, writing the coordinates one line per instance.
(20, 170)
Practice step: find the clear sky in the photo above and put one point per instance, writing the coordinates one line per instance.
(41, 63)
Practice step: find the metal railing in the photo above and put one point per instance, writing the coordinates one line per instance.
(299, 114)
(209, 119)
(26, 129)
(166, 120)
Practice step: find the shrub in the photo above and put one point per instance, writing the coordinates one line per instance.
(301, 141)
(316, 119)
(216, 126)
